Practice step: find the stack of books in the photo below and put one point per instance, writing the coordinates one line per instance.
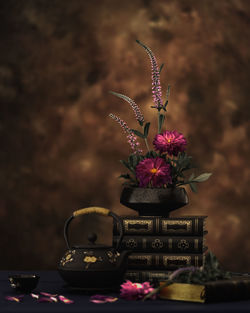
(160, 245)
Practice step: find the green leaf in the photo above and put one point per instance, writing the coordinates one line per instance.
(191, 177)
(202, 177)
(125, 164)
(137, 133)
(133, 160)
(193, 187)
(126, 176)
(151, 154)
(161, 67)
(146, 129)
(161, 121)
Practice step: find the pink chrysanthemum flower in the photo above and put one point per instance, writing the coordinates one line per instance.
(154, 171)
(171, 142)
(135, 291)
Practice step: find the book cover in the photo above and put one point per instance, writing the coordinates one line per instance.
(155, 225)
(154, 276)
(236, 288)
(164, 261)
(166, 244)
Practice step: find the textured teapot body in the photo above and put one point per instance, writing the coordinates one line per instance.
(83, 259)
(93, 267)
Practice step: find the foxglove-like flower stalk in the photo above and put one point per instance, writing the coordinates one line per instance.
(156, 84)
(134, 144)
(138, 115)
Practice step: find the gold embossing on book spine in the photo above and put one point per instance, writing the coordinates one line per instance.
(170, 244)
(196, 224)
(183, 292)
(157, 225)
(196, 244)
(183, 244)
(168, 258)
(131, 243)
(128, 226)
(134, 258)
(166, 229)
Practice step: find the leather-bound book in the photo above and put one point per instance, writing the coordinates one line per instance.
(153, 261)
(153, 276)
(166, 244)
(155, 225)
(234, 289)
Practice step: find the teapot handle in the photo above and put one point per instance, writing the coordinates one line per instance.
(89, 210)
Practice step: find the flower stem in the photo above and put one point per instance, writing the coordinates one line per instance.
(159, 129)
(146, 142)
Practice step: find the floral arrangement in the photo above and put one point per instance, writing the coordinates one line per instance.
(164, 166)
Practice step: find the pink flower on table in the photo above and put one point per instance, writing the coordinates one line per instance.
(171, 142)
(155, 171)
(135, 291)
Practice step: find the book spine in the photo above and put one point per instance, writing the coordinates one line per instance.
(159, 261)
(188, 226)
(229, 290)
(138, 276)
(162, 244)
(233, 289)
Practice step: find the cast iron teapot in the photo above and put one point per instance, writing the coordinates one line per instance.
(94, 266)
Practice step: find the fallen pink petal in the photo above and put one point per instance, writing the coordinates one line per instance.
(65, 300)
(111, 299)
(54, 299)
(45, 299)
(46, 294)
(14, 299)
(102, 299)
(35, 296)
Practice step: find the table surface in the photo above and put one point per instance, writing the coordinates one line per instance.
(51, 282)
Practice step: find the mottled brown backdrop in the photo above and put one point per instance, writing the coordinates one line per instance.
(60, 150)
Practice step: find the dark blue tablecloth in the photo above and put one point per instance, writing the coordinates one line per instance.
(51, 282)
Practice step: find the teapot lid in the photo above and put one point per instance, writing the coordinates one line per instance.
(92, 237)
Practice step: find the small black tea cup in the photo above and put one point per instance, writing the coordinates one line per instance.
(24, 282)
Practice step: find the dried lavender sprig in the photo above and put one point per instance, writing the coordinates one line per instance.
(134, 144)
(156, 84)
(171, 278)
(138, 115)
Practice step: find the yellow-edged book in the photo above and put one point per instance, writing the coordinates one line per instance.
(236, 288)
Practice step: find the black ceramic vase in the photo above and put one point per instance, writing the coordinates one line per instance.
(154, 201)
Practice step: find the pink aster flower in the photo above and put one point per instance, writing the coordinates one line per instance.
(171, 142)
(135, 291)
(155, 171)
